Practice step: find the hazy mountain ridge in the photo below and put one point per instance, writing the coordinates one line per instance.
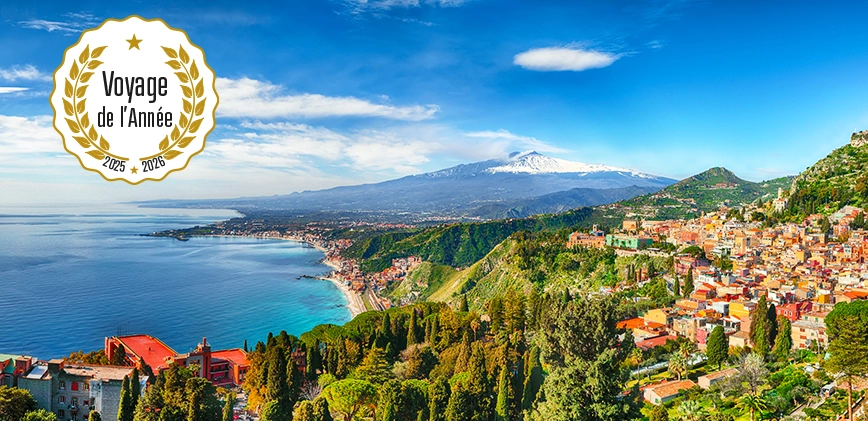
(521, 185)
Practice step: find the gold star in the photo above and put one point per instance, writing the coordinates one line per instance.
(134, 43)
(134, 170)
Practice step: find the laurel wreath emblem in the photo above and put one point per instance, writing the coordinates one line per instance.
(193, 89)
(74, 104)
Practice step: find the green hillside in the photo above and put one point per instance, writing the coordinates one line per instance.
(455, 245)
(702, 192)
(839, 179)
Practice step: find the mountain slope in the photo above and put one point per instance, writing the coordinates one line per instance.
(492, 188)
(702, 192)
(839, 179)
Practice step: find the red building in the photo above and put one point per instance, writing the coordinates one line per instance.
(223, 368)
(794, 311)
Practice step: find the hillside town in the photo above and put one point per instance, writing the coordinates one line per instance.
(732, 259)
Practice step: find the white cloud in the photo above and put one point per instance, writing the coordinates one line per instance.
(358, 6)
(259, 99)
(11, 89)
(522, 142)
(564, 59)
(28, 135)
(74, 23)
(26, 72)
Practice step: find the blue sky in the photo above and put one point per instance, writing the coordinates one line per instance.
(322, 93)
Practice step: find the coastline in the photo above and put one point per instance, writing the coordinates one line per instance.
(355, 304)
(354, 301)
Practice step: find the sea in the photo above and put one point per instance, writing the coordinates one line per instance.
(72, 276)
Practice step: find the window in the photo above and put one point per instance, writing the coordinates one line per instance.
(74, 401)
(62, 385)
(74, 385)
(86, 385)
(61, 399)
(60, 414)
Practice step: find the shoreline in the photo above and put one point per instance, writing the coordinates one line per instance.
(355, 304)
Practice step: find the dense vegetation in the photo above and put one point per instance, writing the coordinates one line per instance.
(454, 245)
(839, 179)
(702, 192)
(432, 363)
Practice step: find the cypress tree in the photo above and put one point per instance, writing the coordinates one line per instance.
(460, 404)
(125, 406)
(390, 402)
(784, 341)
(435, 330)
(772, 320)
(478, 384)
(293, 379)
(321, 410)
(462, 363)
(438, 399)
(676, 286)
(717, 348)
(504, 396)
(761, 328)
(533, 378)
(304, 412)
(688, 283)
(228, 407)
(135, 388)
(245, 346)
(119, 356)
(463, 306)
(313, 360)
(413, 329)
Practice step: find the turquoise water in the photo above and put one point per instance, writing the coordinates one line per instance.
(70, 277)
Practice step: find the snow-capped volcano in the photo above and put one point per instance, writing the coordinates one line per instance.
(522, 184)
(532, 162)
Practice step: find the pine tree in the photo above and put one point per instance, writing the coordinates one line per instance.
(504, 396)
(784, 341)
(717, 348)
(313, 360)
(125, 406)
(277, 387)
(438, 399)
(374, 368)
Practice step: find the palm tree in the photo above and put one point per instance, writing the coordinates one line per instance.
(678, 365)
(752, 403)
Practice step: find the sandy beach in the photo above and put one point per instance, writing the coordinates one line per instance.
(354, 301)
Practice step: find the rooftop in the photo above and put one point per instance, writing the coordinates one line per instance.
(719, 374)
(236, 356)
(103, 372)
(671, 388)
(150, 349)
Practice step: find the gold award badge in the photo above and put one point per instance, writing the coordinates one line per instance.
(134, 99)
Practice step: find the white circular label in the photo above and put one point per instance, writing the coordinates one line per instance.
(134, 99)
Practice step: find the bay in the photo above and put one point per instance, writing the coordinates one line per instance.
(71, 276)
